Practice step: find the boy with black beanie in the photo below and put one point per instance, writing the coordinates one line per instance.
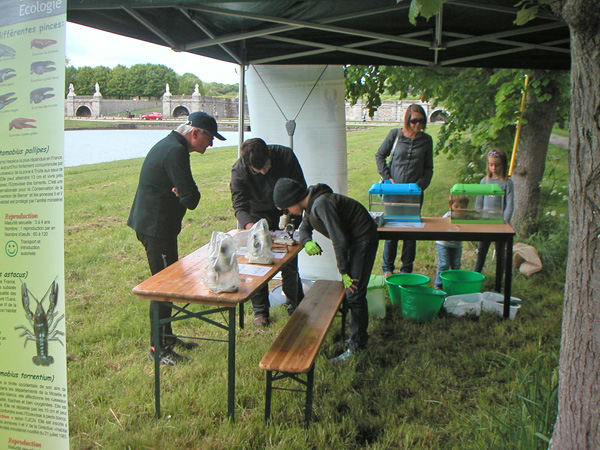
(353, 234)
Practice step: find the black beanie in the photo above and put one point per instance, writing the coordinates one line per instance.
(288, 192)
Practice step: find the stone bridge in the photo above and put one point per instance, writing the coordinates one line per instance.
(173, 106)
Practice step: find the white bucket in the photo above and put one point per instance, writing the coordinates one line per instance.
(463, 304)
(494, 302)
(277, 297)
(376, 296)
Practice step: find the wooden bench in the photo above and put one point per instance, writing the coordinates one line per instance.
(293, 352)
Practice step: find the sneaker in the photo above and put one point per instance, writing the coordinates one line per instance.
(168, 357)
(386, 274)
(261, 321)
(184, 345)
(343, 357)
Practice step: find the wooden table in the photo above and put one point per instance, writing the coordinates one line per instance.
(440, 229)
(182, 282)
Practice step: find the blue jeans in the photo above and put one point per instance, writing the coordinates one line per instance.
(361, 256)
(448, 258)
(390, 250)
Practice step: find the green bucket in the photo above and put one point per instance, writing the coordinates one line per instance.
(421, 303)
(394, 282)
(456, 282)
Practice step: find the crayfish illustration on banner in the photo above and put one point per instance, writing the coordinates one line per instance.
(43, 323)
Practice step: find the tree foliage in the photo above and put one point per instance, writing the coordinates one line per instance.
(141, 81)
(484, 104)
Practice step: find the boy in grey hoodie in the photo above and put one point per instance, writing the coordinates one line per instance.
(353, 234)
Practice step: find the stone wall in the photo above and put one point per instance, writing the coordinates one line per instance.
(220, 107)
(389, 111)
(182, 105)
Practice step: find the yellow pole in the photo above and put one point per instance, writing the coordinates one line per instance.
(518, 133)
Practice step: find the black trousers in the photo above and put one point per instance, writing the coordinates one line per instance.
(161, 253)
(482, 251)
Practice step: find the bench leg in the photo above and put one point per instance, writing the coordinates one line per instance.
(268, 392)
(310, 379)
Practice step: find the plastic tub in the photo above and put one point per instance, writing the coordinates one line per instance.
(463, 304)
(403, 279)
(494, 302)
(421, 303)
(457, 282)
(376, 296)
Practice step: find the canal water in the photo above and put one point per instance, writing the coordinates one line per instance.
(97, 146)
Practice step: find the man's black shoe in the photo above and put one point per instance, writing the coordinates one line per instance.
(168, 357)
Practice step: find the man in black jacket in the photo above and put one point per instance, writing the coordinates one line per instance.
(253, 179)
(166, 190)
(353, 233)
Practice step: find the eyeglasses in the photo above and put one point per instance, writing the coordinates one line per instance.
(416, 121)
(493, 153)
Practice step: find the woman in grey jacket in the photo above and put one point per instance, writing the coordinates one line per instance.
(411, 162)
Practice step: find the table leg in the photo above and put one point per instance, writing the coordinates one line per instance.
(499, 274)
(156, 339)
(231, 366)
(508, 276)
(241, 316)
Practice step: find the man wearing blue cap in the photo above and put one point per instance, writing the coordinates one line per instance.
(166, 190)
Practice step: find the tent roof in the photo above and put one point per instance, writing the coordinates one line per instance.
(468, 33)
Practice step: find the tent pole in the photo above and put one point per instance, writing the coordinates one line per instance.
(241, 112)
(518, 133)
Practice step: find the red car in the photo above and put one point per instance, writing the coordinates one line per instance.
(152, 116)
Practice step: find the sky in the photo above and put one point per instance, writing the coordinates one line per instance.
(91, 47)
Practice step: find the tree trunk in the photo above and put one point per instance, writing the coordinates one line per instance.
(578, 422)
(531, 155)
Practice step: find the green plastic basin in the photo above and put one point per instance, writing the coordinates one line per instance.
(456, 282)
(394, 282)
(421, 303)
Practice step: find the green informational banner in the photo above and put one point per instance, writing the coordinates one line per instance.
(33, 370)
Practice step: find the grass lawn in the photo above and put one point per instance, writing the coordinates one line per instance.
(456, 383)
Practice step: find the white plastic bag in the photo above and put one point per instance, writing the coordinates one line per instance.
(222, 272)
(259, 244)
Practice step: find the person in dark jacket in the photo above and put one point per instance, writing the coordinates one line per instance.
(253, 179)
(353, 233)
(411, 162)
(166, 190)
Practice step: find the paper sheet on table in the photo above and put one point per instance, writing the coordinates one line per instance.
(253, 270)
(278, 254)
(404, 224)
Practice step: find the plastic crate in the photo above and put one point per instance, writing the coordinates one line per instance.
(472, 214)
(395, 202)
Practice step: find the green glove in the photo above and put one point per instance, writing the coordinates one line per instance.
(312, 248)
(347, 280)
